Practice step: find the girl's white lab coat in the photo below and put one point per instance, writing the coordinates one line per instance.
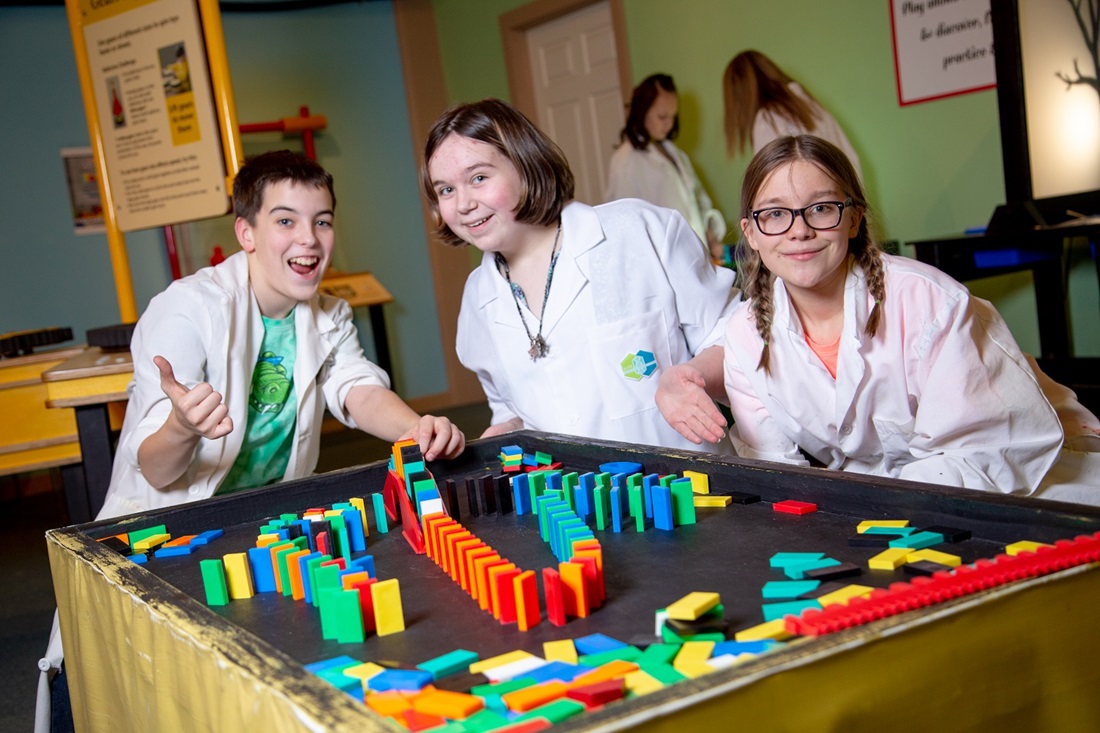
(629, 298)
(209, 327)
(648, 175)
(941, 394)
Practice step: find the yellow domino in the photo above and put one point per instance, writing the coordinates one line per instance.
(267, 540)
(499, 661)
(361, 506)
(389, 617)
(700, 482)
(936, 556)
(890, 559)
(641, 683)
(694, 651)
(693, 605)
(845, 594)
(692, 668)
(238, 575)
(1016, 548)
(866, 524)
(776, 629)
(150, 542)
(364, 671)
(562, 650)
(712, 500)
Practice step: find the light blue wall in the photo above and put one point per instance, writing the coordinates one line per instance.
(341, 61)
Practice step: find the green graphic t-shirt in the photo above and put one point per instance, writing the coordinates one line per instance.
(272, 410)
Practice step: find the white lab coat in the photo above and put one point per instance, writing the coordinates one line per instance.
(941, 394)
(208, 326)
(768, 126)
(626, 281)
(650, 176)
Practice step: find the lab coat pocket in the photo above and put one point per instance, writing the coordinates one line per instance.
(896, 440)
(628, 356)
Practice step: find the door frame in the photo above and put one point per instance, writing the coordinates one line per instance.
(514, 25)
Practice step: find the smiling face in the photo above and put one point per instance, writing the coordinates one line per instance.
(661, 115)
(478, 190)
(289, 246)
(807, 260)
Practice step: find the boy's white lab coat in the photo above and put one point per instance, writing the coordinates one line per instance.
(650, 176)
(209, 327)
(941, 394)
(632, 294)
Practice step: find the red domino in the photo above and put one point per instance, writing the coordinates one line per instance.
(790, 506)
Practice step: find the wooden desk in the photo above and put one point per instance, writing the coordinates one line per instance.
(92, 383)
(363, 289)
(33, 438)
(1042, 251)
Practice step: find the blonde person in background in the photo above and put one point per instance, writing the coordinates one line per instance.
(763, 103)
(647, 165)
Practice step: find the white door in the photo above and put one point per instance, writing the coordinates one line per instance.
(577, 93)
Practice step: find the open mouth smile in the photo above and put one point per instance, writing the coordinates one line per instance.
(304, 265)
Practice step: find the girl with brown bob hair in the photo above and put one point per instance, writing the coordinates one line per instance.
(577, 314)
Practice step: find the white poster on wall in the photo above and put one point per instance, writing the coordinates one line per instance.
(161, 140)
(942, 48)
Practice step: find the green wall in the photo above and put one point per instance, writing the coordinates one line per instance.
(931, 169)
(342, 61)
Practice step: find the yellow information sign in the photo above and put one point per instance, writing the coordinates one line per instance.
(154, 105)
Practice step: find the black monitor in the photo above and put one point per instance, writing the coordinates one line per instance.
(1022, 59)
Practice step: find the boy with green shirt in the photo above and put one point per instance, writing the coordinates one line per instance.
(235, 365)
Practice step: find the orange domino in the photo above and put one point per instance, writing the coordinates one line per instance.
(592, 577)
(574, 589)
(528, 698)
(612, 670)
(274, 549)
(449, 549)
(440, 529)
(458, 560)
(481, 577)
(294, 573)
(526, 590)
(443, 544)
(398, 463)
(388, 703)
(492, 573)
(432, 522)
(179, 541)
(453, 705)
(467, 579)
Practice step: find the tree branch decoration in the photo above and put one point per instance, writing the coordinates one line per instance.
(1090, 31)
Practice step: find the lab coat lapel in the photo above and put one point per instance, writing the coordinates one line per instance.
(850, 362)
(580, 232)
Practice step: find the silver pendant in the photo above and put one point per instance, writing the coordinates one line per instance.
(538, 348)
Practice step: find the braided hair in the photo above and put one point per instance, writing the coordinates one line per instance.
(756, 280)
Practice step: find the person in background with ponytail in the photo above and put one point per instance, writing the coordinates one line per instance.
(867, 362)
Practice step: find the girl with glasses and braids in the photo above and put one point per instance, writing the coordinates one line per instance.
(862, 361)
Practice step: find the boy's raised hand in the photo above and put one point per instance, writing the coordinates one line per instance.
(198, 410)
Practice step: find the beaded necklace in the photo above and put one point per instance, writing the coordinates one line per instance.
(539, 347)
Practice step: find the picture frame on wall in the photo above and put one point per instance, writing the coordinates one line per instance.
(84, 200)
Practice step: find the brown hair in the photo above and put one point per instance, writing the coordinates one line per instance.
(756, 279)
(273, 167)
(543, 169)
(645, 94)
(753, 82)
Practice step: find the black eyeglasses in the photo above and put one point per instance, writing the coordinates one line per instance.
(820, 215)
